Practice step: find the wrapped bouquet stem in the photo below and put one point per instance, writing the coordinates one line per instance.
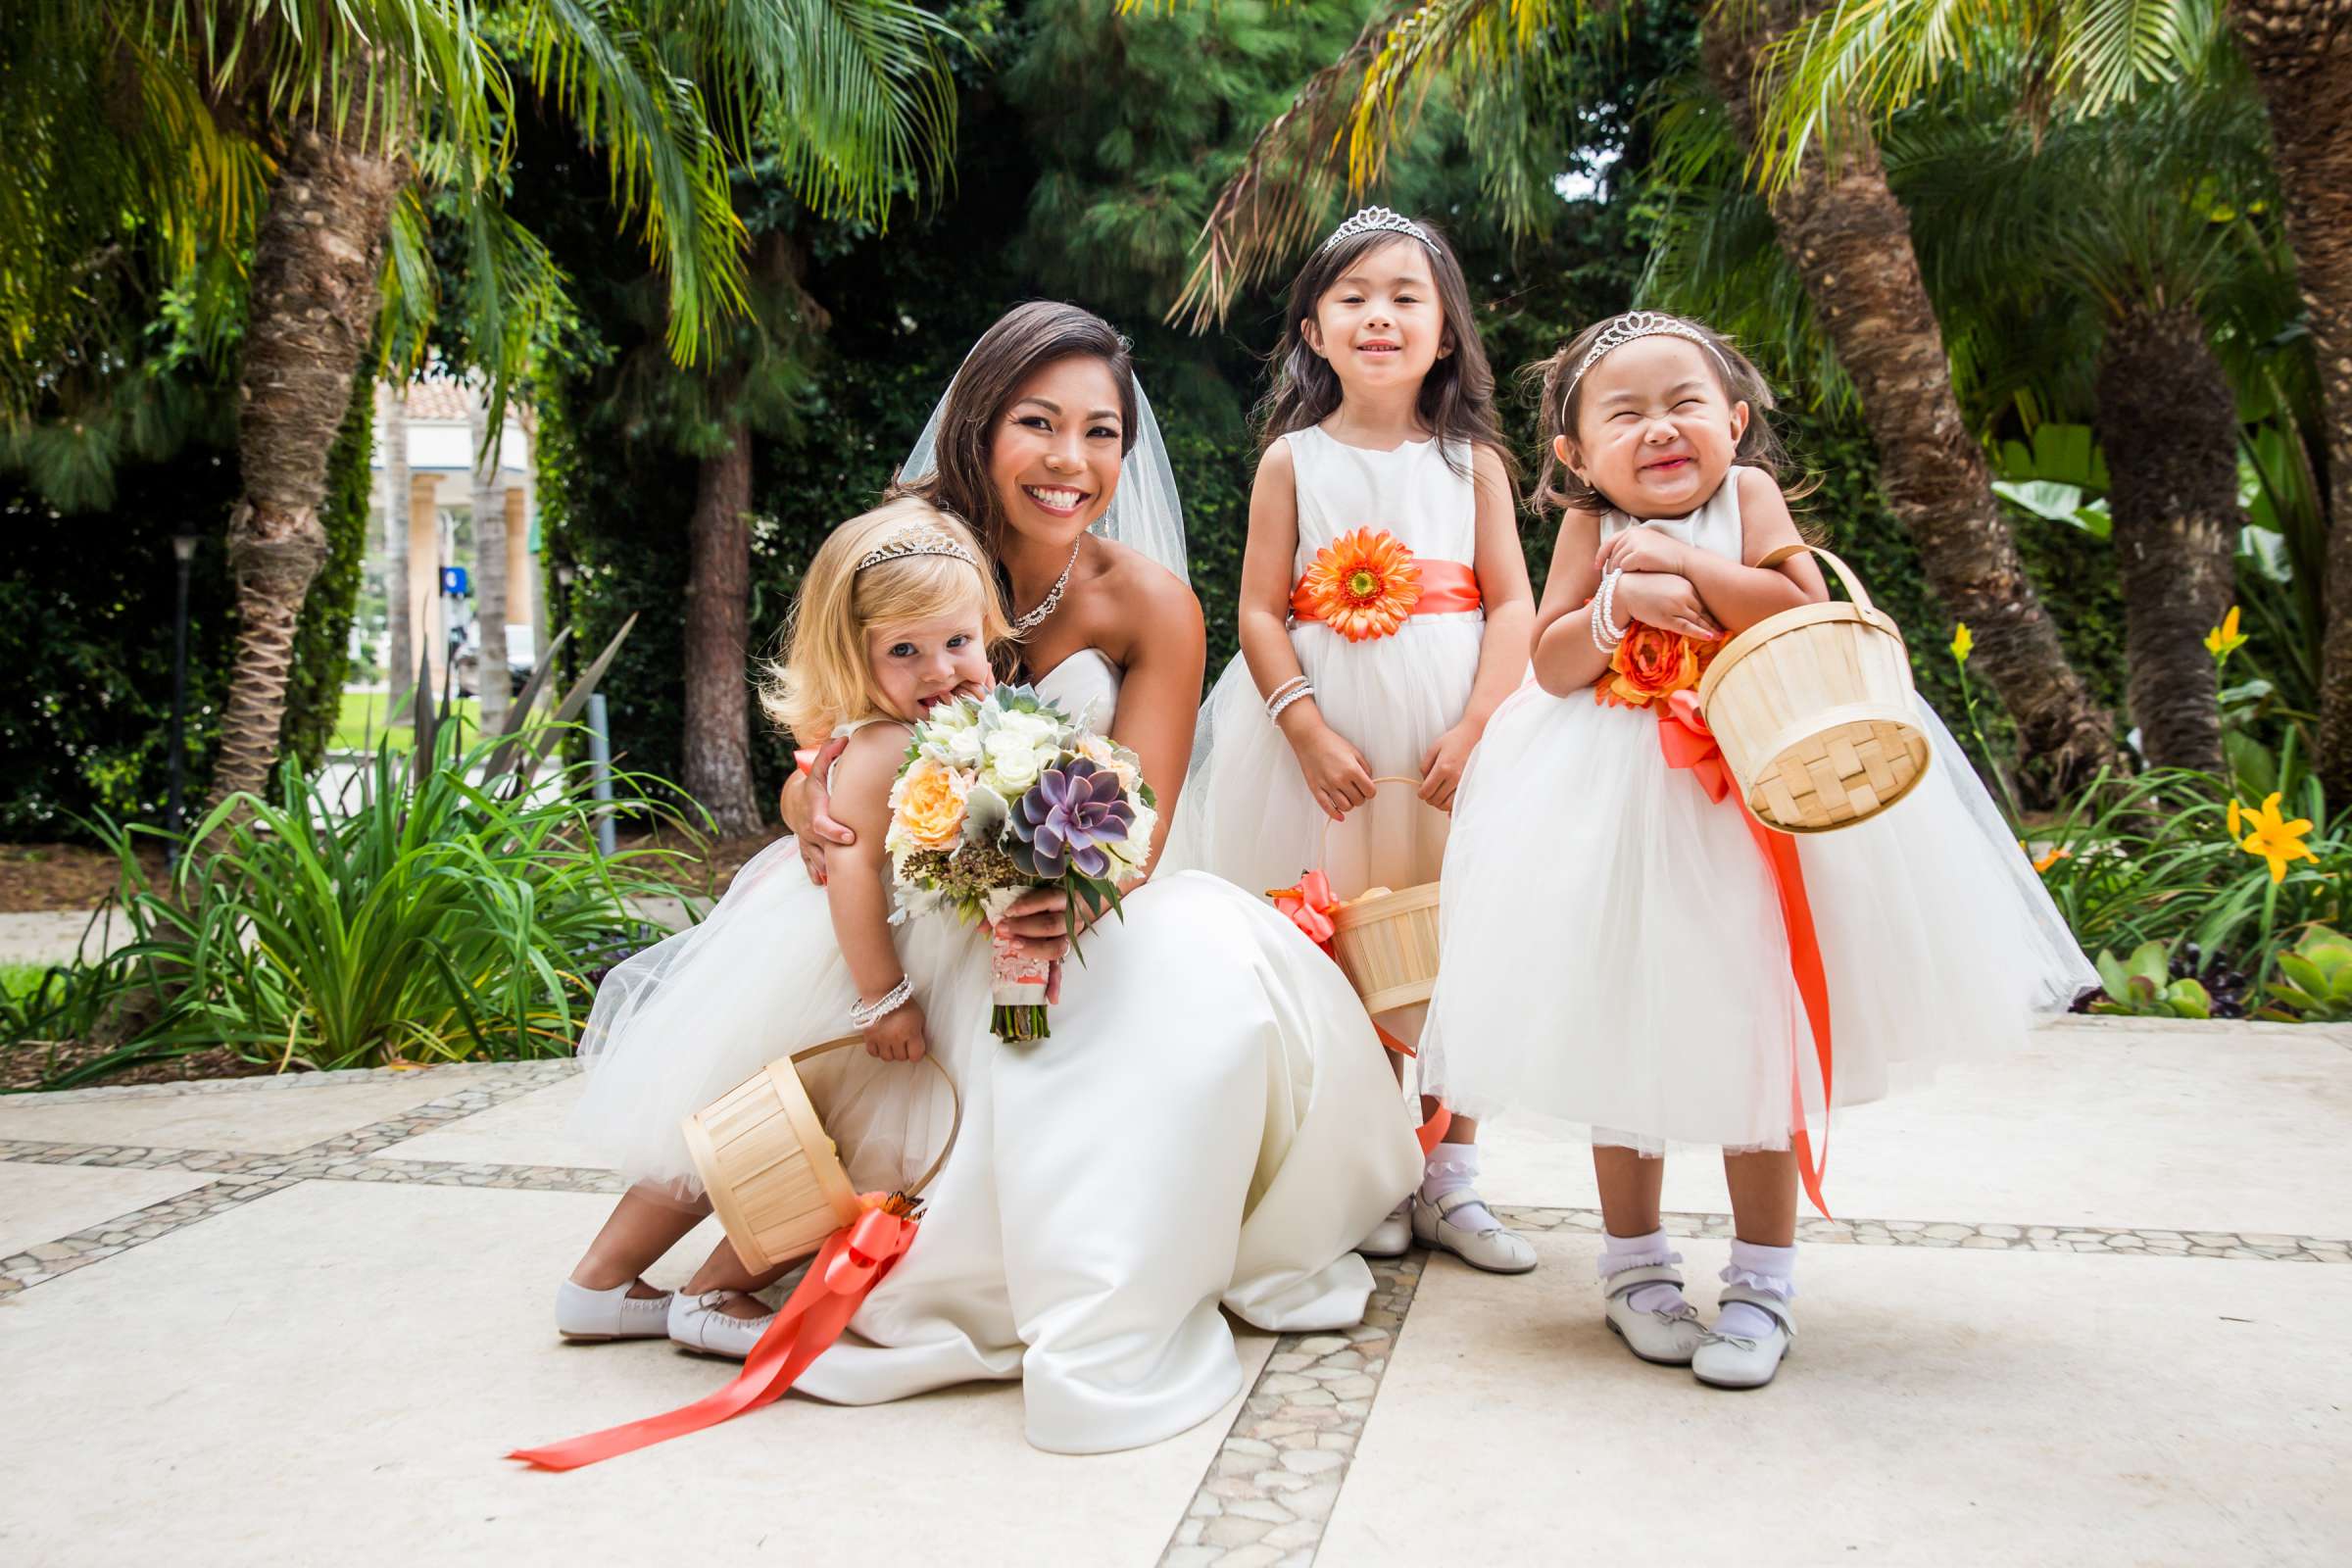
(1005, 793)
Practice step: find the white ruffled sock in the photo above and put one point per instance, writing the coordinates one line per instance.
(1621, 1253)
(1771, 1269)
(1451, 1167)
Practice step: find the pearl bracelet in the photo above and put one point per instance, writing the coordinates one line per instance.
(1606, 634)
(865, 1014)
(1304, 690)
(1283, 691)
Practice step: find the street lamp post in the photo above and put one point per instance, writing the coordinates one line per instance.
(183, 554)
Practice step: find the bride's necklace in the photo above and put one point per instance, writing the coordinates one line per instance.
(1022, 625)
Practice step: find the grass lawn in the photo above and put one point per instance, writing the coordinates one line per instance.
(361, 724)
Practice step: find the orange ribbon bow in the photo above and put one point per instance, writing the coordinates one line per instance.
(1687, 742)
(851, 1262)
(1309, 907)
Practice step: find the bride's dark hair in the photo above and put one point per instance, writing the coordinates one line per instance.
(1023, 339)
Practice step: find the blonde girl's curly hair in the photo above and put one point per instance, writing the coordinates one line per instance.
(824, 679)
(1562, 403)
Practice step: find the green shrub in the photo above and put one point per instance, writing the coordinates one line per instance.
(430, 918)
(2317, 983)
(2141, 986)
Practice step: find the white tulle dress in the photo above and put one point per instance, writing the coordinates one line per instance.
(1614, 953)
(1246, 813)
(686, 1020)
(1211, 1127)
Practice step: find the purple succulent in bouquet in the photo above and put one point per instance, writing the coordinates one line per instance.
(1066, 820)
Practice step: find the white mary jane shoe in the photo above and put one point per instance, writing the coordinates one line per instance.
(1664, 1338)
(1497, 1249)
(614, 1314)
(696, 1324)
(1731, 1362)
(1393, 1237)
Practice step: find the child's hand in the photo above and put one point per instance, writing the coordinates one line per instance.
(1667, 601)
(1442, 767)
(1643, 549)
(1337, 774)
(898, 1035)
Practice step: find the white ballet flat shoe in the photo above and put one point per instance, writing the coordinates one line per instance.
(1733, 1361)
(614, 1314)
(1665, 1339)
(1393, 1237)
(1497, 1249)
(697, 1323)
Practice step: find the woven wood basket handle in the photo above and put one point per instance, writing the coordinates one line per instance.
(954, 1127)
(1323, 853)
(1846, 574)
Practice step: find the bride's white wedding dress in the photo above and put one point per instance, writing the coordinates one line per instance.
(1213, 1124)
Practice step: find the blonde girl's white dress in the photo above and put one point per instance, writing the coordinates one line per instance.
(1246, 813)
(1615, 951)
(1210, 1128)
(679, 1024)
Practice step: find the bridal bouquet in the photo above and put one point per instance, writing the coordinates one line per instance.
(1004, 792)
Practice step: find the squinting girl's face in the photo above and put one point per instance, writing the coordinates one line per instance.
(1655, 432)
(1379, 323)
(1054, 455)
(918, 664)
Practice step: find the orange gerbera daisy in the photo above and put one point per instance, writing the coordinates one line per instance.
(1362, 585)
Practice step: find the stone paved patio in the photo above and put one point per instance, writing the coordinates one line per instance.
(298, 1320)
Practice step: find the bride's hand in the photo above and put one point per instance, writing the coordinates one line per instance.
(809, 813)
(1037, 925)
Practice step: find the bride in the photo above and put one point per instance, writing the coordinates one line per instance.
(1212, 1125)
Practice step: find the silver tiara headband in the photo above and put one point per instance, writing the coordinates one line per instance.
(1378, 221)
(917, 541)
(1634, 324)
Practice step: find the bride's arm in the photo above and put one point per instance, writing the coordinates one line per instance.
(1159, 695)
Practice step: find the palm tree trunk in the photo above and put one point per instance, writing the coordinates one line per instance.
(718, 761)
(2168, 421)
(400, 659)
(1850, 240)
(2301, 54)
(489, 569)
(314, 300)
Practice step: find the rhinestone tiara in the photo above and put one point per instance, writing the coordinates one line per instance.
(924, 541)
(1634, 324)
(1376, 221)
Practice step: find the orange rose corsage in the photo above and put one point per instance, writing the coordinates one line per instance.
(1362, 585)
(1652, 666)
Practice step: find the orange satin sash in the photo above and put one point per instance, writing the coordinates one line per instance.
(1446, 587)
(1684, 736)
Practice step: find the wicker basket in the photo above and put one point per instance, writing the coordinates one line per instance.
(1815, 714)
(774, 1176)
(1387, 944)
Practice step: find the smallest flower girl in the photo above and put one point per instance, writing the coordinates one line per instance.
(895, 617)
(1616, 950)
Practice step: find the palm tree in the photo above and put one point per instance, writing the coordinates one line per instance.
(310, 134)
(1848, 241)
(2123, 264)
(1868, 58)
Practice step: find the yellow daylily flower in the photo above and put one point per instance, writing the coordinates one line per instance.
(2237, 815)
(2225, 639)
(1964, 643)
(2275, 840)
(2045, 862)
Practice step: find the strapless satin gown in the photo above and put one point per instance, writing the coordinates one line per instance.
(1211, 1127)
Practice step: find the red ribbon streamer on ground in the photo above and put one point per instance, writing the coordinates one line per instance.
(851, 1262)
(1684, 736)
